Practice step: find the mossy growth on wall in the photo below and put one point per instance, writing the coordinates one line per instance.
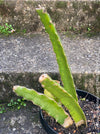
(61, 4)
(1, 1)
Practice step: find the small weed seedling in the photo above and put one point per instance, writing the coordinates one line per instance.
(6, 29)
(2, 109)
(89, 32)
(16, 104)
(12, 105)
(89, 29)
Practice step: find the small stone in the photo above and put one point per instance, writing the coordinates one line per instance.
(74, 131)
(60, 133)
(97, 124)
(89, 120)
(4, 119)
(55, 128)
(94, 116)
(91, 111)
(14, 129)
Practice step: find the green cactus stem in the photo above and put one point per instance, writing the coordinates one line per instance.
(64, 69)
(47, 104)
(48, 94)
(66, 99)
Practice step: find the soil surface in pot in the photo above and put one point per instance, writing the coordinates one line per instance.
(92, 112)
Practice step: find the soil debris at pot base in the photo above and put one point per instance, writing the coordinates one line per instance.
(91, 111)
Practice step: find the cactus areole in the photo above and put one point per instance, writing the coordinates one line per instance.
(54, 94)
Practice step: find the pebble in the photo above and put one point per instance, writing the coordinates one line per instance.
(94, 116)
(14, 129)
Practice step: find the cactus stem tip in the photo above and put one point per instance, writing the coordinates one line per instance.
(68, 122)
(80, 123)
(15, 87)
(42, 77)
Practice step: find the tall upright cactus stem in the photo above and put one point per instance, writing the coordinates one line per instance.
(47, 104)
(64, 70)
(66, 99)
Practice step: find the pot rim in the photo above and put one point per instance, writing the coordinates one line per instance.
(81, 93)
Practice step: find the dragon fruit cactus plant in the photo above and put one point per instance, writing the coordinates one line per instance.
(54, 94)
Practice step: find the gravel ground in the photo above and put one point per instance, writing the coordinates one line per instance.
(35, 54)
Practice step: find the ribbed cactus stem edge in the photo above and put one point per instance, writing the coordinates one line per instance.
(65, 98)
(47, 104)
(64, 69)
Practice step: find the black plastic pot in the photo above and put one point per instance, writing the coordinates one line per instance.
(80, 93)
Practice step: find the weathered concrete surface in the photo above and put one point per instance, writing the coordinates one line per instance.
(23, 121)
(76, 16)
(23, 59)
(35, 54)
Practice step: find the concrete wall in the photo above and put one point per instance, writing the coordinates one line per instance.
(75, 16)
(85, 82)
